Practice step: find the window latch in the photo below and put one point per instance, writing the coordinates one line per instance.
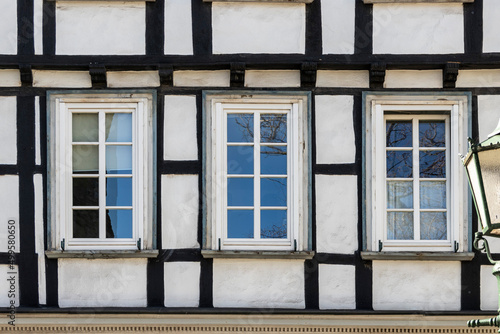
(456, 246)
(219, 243)
(380, 245)
(62, 243)
(139, 244)
(295, 245)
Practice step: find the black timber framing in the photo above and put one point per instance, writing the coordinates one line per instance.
(363, 43)
(49, 28)
(155, 31)
(202, 27)
(25, 28)
(473, 27)
(314, 31)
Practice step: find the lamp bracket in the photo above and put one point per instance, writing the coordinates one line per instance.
(483, 246)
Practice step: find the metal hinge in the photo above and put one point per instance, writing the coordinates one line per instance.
(139, 244)
(380, 245)
(295, 245)
(456, 246)
(219, 243)
(62, 243)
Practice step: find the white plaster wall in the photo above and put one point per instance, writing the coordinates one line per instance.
(334, 129)
(38, 152)
(258, 27)
(10, 78)
(38, 26)
(180, 140)
(39, 234)
(344, 78)
(488, 115)
(179, 211)
(178, 27)
(182, 284)
(337, 21)
(272, 78)
(5, 287)
(418, 28)
(489, 289)
(133, 79)
(61, 79)
(202, 78)
(258, 283)
(9, 210)
(100, 28)
(8, 130)
(491, 25)
(413, 79)
(8, 27)
(336, 214)
(102, 283)
(337, 287)
(417, 285)
(478, 78)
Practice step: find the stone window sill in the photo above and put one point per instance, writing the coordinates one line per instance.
(102, 254)
(418, 256)
(210, 254)
(416, 1)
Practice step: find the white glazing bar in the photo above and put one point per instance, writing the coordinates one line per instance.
(102, 176)
(416, 179)
(256, 171)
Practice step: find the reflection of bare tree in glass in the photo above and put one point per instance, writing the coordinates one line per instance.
(433, 227)
(432, 134)
(274, 232)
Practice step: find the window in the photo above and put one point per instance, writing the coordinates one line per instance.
(101, 171)
(257, 172)
(415, 182)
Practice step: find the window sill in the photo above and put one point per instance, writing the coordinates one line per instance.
(416, 1)
(418, 256)
(211, 254)
(102, 254)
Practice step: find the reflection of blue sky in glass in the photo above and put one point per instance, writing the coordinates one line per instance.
(240, 159)
(399, 164)
(399, 195)
(119, 191)
(240, 191)
(432, 195)
(273, 128)
(118, 127)
(273, 160)
(119, 223)
(239, 128)
(273, 224)
(119, 159)
(433, 164)
(433, 226)
(400, 225)
(240, 223)
(273, 192)
(398, 134)
(432, 134)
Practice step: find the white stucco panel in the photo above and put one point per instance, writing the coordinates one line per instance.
(133, 79)
(180, 140)
(417, 285)
(258, 283)
(489, 289)
(478, 78)
(9, 211)
(100, 28)
(202, 78)
(337, 287)
(10, 78)
(8, 130)
(343, 78)
(61, 79)
(179, 211)
(258, 27)
(182, 284)
(413, 79)
(272, 78)
(334, 129)
(102, 282)
(491, 25)
(9, 285)
(488, 115)
(336, 214)
(337, 21)
(178, 27)
(8, 27)
(39, 237)
(418, 28)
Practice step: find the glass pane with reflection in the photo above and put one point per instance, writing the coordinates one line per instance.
(433, 164)
(240, 159)
(273, 191)
(399, 195)
(240, 191)
(432, 134)
(119, 127)
(240, 128)
(119, 191)
(399, 164)
(433, 226)
(119, 224)
(400, 225)
(273, 128)
(86, 191)
(85, 127)
(433, 195)
(273, 224)
(85, 223)
(240, 224)
(273, 160)
(399, 134)
(119, 159)
(85, 159)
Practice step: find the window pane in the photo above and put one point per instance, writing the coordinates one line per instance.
(432, 134)
(118, 223)
(119, 159)
(273, 128)
(119, 127)
(240, 223)
(433, 195)
(85, 159)
(399, 164)
(433, 164)
(273, 224)
(273, 160)
(399, 195)
(400, 225)
(240, 128)
(240, 191)
(273, 192)
(240, 159)
(433, 226)
(119, 191)
(85, 127)
(398, 134)
(86, 191)
(85, 223)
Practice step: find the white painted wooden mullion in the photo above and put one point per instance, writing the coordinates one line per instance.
(379, 168)
(416, 178)
(219, 182)
(257, 175)
(102, 175)
(452, 172)
(293, 185)
(137, 176)
(65, 169)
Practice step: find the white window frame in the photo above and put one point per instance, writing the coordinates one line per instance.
(60, 169)
(215, 175)
(377, 107)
